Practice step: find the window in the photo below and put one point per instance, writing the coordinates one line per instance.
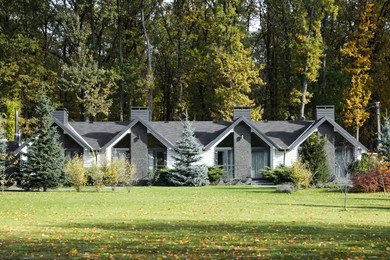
(225, 159)
(260, 160)
(70, 153)
(120, 154)
(157, 159)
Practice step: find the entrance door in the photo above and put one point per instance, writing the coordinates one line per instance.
(224, 159)
(260, 160)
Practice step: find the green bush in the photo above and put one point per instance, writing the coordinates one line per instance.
(215, 173)
(300, 175)
(280, 174)
(75, 172)
(313, 154)
(366, 164)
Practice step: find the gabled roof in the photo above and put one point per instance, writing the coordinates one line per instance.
(72, 132)
(337, 127)
(282, 133)
(98, 134)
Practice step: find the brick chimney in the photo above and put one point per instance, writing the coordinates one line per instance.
(139, 112)
(241, 111)
(61, 114)
(324, 111)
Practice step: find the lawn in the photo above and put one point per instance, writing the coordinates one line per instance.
(207, 222)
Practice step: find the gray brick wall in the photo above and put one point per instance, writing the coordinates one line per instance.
(139, 150)
(242, 151)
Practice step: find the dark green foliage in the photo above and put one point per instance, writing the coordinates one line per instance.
(384, 148)
(45, 157)
(280, 174)
(215, 173)
(367, 163)
(314, 155)
(186, 172)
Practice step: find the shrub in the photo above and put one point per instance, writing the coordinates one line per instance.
(75, 172)
(96, 173)
(158, 176)
(281, 174)
(314, 155)
(112, 173)
(300, 175)
(215, 173)
(366, 164)
(286, 188)
(127, 172)
(375, 180)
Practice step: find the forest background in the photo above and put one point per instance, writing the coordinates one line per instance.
(98, 58)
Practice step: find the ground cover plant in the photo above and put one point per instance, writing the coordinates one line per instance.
(197, 222)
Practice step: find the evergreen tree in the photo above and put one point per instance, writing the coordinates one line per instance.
(186, 172)
(45, 156)
(314, 154)
(384, 148)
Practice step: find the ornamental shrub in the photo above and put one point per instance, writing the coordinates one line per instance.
(366, 182)
(300, 175)
(75, 172)
(97, 174)
(111, 173)
(285, 188)
(366, 164)
(215, 173)
(281, 174)
(127, 172)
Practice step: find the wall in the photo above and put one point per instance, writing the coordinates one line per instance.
(139, 150)
(326, 129)
(242, 151)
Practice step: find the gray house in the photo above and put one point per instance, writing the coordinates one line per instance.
(241, 147)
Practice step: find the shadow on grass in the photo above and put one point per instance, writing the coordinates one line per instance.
(350, 207)
(201, 239)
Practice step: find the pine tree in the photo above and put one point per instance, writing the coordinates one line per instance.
(186, 172)
(314, 154)
(45, 157)
(384, 148)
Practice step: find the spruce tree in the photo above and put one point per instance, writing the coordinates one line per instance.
(384, 147)
(314, 154)
(45, 157)
(186, 171)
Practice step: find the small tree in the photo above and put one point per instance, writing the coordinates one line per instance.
(127, 172)
(97, 174)
(112, 173)
(384, 147)
(300, 175)
(75, 172)
(344, 184)
(186, 172)
(314, 155)
(45, 157)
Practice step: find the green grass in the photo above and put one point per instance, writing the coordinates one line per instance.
(208, 222)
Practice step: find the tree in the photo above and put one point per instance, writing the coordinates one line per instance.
(186, 171)
(359, 52)
(45, 157)
(127, 173)
(314, 154)
(75, 172)
(384, 147)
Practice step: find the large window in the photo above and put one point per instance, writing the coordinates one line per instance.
(120, 154)
(260, 160)
(344, 156)
(157, 159)
(225, 159)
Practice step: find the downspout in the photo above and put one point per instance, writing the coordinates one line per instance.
(284, 157)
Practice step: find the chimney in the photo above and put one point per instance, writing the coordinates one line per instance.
(61, 114)
(324, 111)
(242, 111)
(139, 112)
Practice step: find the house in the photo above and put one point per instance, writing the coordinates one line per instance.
(241, 147)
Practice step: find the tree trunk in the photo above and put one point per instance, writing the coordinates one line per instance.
(120, 52)
(149, 61)
(305, 80)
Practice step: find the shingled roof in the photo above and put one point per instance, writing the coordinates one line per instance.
(97, 134)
